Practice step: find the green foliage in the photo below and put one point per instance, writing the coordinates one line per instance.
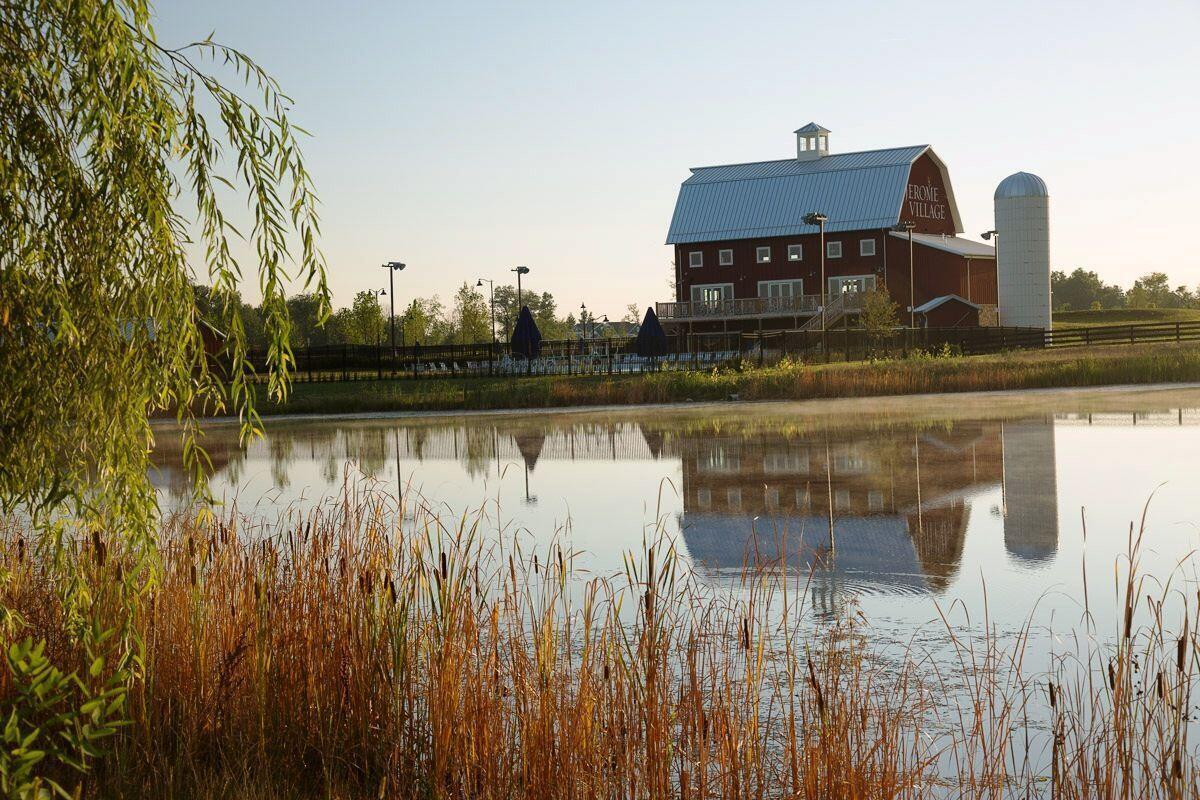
(362, 323)
(56, 722)
(423, 322)
(472, 318)
(1153, 290)
(117, 155)
(1083, 289)
(946, 350)
(110, 174)
(542, 306)
(880, 314)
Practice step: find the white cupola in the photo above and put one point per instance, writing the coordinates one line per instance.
(812, 142)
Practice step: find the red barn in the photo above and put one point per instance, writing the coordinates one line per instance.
(748, 239)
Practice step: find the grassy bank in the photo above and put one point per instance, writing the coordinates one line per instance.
(1152, 363)
(336, 657)
(1123, 316)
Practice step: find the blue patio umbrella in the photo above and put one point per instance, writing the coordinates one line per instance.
(651, 340)
(526, 338)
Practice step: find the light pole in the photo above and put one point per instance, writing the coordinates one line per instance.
(378, 294)
(393, 267)
(520, 271)
(819, 219)
(583, 317)
(492, 292)
(907, 227)
(988, 236)
(492, 346)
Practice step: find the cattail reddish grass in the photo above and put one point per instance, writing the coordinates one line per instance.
(336, 654)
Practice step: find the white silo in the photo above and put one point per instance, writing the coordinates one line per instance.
(1023, 251)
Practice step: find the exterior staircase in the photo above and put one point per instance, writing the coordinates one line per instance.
(834, 311)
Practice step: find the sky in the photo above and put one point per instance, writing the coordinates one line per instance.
(467, 138)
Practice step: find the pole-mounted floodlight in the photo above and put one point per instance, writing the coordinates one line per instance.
(819, 219)
(492, 290)
(987, 235)
(520, 271)
(907, 227)
(393, 267)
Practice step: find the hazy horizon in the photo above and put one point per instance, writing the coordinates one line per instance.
(465, 139)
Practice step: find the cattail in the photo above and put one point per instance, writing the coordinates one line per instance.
(1053, 695)
(1181, 647)
(98, 548)
(812, 680)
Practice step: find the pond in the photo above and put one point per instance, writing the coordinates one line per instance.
(904, 509)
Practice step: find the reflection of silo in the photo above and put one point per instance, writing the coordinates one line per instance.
(1030, 488)
(1023, 252)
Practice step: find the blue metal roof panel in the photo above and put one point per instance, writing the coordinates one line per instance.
(897, 156)
(852, 199)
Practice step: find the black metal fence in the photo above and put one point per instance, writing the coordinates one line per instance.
(700, 351)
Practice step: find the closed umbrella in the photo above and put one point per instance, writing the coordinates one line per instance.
(526, 338)
(651, 340)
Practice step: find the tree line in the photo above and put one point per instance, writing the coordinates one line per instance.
(1083, 290)
(464, 319)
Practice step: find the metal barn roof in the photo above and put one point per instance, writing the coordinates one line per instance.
(951, 244)
(939, 301)
(770, 198)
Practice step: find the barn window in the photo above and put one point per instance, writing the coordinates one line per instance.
(762, 255)
(695, 259)
(795, 252)
(725, 258)
(833, 249)
(866, 247)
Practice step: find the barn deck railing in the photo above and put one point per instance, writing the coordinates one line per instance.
(740, 307)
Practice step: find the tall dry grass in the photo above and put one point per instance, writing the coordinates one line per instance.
(338, 656)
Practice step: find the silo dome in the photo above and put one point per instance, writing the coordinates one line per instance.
(1021, 184)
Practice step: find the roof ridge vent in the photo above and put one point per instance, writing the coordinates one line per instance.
(812, 142)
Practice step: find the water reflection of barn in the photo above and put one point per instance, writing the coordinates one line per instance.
(898, 499)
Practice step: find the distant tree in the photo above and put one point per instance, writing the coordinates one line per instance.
(543, 307)
(364, 321)
(1083, 289)
(471, 315)
(308, 320)
(633, 313)
(423, 321)
(1153, 290)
